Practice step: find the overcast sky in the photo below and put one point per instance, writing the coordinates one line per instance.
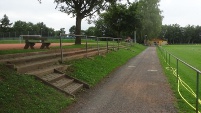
(182, 12)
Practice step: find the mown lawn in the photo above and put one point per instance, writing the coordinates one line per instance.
(191, 55)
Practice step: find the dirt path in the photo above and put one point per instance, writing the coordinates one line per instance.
(21, 46)
(137, 87)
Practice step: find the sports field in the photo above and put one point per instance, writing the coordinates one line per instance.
(185, 89)
(188, 53)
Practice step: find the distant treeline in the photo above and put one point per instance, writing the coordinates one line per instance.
(175, 34)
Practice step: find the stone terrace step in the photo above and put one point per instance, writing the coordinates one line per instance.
(63, 82)
(29, 59)
(52, 77)
(47, 70)
(35, 65)
(41, 57)
(73, 88)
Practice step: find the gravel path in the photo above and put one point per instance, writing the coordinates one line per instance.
(137, 87)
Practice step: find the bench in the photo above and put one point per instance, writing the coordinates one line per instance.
(30, 41)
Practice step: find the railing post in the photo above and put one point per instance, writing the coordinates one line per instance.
(86, 47)
(169, 59)
(107, 45)
(177, 70)
(98, 46)
(118, 44)
(166, 56)
(61, 48)
(197, 93)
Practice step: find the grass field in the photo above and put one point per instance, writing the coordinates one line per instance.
(191, 54)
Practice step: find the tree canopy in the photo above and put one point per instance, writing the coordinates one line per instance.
(151, 20)
(5, 23)
(81, 9)
(175, 34)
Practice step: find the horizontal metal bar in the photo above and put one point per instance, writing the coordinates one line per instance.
(116, 38)
(30, 35)
(104, 37)
(72, 35)
(92, 36)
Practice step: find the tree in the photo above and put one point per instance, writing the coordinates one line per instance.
(91, 31)
(72, 29)
(102, 28)
(81, 9)
(5, 24)
(151, 20)
(19, 27)
(115, 18)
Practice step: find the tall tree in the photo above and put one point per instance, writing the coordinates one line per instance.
(5, 24)
(116, 17)
(19, 27)
(91, 31)
(81, 9)
(72, 29)
(151, 18)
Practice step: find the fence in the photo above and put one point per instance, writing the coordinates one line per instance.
(5, 35)
(188, 86)
(99, 46)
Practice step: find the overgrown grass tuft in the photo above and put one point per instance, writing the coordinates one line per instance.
(23, 94)
(93, 70)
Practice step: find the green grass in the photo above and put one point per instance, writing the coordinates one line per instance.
(23, 94)
(14, 51)
(93, 70)
(189, 54)
(10, 41)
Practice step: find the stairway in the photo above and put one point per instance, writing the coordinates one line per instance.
(45, 66)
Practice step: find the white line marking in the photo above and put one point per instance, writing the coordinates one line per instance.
(131, 66)
(152, 70)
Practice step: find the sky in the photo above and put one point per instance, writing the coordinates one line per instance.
(182, 12)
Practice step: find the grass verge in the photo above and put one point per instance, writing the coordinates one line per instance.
(23, 94)
(93, 70)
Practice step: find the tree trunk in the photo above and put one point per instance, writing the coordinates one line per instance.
(78, 30)
(118, 34)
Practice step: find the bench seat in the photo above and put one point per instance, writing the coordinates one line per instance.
(31, 45)
(31, 40)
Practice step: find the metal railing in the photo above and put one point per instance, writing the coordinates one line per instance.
(87, 45)
(167, 57)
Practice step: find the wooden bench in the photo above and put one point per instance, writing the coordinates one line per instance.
(30, 41)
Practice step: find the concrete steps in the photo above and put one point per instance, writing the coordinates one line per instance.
(45, 66)
(61, 82)
(23, 68)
